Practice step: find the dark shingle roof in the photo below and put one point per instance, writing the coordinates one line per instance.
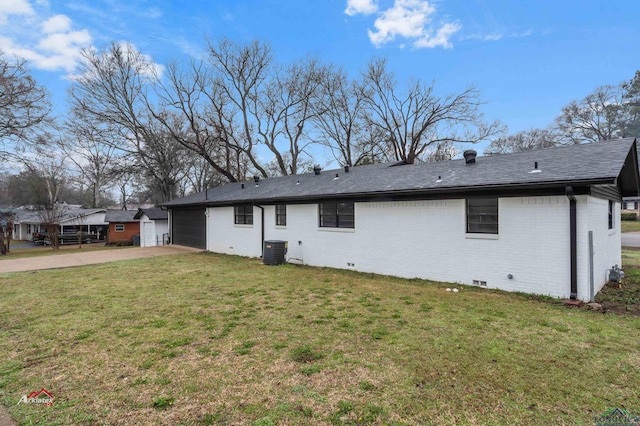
(120, 216)
(588, 164)
(153, 214)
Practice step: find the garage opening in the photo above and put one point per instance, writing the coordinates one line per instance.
(189, 227)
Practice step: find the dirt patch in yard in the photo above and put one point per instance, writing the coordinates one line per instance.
(621, 298)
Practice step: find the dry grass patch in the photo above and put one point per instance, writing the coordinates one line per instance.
(209, 339)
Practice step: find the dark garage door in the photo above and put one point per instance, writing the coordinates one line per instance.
(188, 227)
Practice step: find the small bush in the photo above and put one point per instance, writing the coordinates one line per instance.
(628, 216)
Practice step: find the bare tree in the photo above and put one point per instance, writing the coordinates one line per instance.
(193, 111)
(237, 102)
(238, 76)
(526, 140)
(598, 116)
(341, 123)
(283, 111)
(125, 179)
(199, 175)
(51, 167)
(50, 216)
(88, 147)
(7, 220)
(418, 119)
(24, 105)
(110, 91)
(161, 161)
(442, 152)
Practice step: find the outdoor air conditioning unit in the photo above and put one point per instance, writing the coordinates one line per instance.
(274, 252)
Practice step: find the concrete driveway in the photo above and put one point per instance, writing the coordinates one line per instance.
(631, 239)
(88, 258)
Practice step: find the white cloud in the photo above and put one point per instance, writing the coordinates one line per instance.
(63, 49)
(407, 18)
(365, 7)
(48, 42)
(495, 36)
(57, 23)
(410, 20)
(441, 37)
(14, 7)
(492, 37)
(483, 37)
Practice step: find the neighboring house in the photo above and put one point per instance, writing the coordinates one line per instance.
(630, 203)
(154, 227)
(92, 221)
(517, 222)
(122, 226)
(27, 223)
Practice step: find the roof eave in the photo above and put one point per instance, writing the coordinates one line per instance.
(428, 192)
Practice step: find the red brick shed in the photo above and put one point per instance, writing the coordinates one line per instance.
(122, 226)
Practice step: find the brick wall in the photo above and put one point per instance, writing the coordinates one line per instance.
(428, 239)
(130, 229)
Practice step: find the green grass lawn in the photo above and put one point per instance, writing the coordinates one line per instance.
(204, 339)
(630, 225)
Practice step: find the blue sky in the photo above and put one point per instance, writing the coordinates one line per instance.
(528, 59)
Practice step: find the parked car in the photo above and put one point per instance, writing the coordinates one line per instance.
(39, 237)
(74, 237)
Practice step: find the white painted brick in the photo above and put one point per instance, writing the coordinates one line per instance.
(427, 239)
(158, 229)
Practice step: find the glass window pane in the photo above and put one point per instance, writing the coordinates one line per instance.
(337, 215)
(482, 215)
(281, 214)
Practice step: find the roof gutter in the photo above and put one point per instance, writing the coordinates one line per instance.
(573, 241)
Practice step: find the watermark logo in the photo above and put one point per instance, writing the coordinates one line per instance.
(616, 417)
(40, 397)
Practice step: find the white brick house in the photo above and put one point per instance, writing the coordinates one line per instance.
(517, 222)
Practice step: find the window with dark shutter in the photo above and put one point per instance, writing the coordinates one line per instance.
(610, 214)
(281, 214)
(482, 215)
(337, 215)
(243, 214)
